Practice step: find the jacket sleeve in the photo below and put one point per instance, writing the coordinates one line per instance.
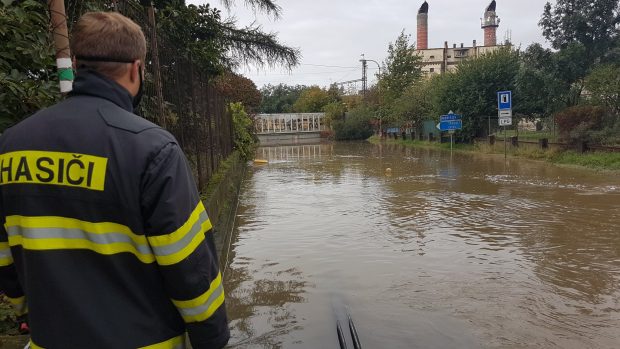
(9, 281)
(181, 237)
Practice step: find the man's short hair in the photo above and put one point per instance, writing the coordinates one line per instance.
(106, 42)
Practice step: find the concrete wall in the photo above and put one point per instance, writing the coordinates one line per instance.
(289, 138)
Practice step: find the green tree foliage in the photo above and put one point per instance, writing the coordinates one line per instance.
(27, 75)
(243, 129)
(198, 34)
(603, 86)
(539, 89)
(356, 125)
(414, 105)
(311, 100)
(221, 43)
(334, 111)
(237, 88)
(279, 98)
(400, 70)
(592, 24)
(472, 89)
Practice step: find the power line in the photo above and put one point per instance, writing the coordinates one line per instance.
(328, 66)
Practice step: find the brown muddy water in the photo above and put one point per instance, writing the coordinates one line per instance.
(461, 251)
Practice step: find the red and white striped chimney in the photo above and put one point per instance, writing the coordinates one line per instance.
(490, 22)
(422, 42)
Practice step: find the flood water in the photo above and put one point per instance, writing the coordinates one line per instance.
(462, 251)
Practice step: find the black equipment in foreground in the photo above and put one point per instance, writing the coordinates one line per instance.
(354, 337)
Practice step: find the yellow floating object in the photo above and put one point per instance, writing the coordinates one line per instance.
(261, 161)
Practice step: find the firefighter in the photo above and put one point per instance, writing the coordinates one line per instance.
(105, 242)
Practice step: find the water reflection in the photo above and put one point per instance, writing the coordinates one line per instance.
(446, 251)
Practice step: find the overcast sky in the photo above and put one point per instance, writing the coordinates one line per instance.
(332, 34)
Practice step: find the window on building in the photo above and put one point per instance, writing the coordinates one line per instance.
(432, 57)
(449, 56)
(432, 70)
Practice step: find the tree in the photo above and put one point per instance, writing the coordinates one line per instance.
(237, 88)
(220, 42)
(311, 100)
(414, 105)
(472, 89)
(400, 69)
(27, 75)
(539, 89)
(279, 98)
(590, 23)
(603, 85)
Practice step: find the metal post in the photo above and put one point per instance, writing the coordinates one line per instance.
(505, 146)
(489, 125)
(60, 33)
(450, 143)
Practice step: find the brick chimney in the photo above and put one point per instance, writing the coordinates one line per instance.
(422, 42)
(490, 22)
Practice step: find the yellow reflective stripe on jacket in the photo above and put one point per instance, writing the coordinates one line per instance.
(19, 304)
(174, 247)
(54, 233)
(172, 343)
(6, 258)
(34, 346)
(203, 306)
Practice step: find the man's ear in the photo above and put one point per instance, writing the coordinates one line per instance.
(73, 63)
(135, 71)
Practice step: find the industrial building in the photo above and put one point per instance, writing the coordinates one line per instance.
(442, 59)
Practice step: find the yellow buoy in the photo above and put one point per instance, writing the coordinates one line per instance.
(261, 161)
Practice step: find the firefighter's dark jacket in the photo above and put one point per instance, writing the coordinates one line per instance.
(104, 237)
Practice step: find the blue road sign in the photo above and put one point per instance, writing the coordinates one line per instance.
(450, 125)
(504, 100)
(449, 117)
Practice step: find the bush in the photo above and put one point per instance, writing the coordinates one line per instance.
(27, 78)
(245, 140)
(609, 135)
(355, 126)
(576, 124)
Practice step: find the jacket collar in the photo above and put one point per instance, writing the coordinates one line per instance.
(89, 82)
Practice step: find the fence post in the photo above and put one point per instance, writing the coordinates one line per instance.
(210, 129)
(195, 125)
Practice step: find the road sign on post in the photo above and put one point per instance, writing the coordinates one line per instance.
(450, 122)
(504, 100)
(505, 121)
(450, 125)
(504, 106)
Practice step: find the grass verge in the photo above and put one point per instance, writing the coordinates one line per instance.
(600, 161)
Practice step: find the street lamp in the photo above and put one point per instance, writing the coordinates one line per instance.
(378, 90)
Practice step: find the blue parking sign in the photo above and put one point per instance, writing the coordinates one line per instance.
(504, 100)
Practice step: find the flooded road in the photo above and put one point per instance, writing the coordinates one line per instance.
(467, 251)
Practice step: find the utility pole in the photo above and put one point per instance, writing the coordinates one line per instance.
(60, 33)
(364, 76)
